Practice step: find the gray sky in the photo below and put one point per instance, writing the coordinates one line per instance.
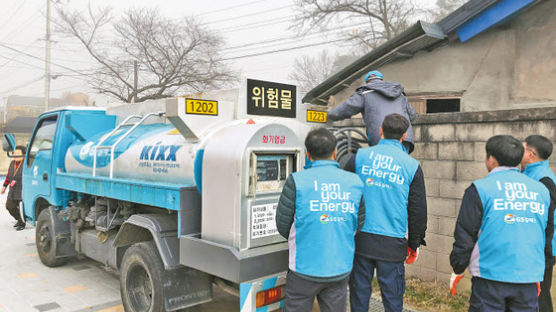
(240, 22)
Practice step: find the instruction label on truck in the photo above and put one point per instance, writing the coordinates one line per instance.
(263, 222)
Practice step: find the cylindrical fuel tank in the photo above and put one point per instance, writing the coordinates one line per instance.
(155, 152)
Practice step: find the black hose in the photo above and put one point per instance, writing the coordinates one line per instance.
(349, 140)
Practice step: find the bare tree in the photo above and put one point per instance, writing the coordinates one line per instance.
(172, 55)
(310, 71)
(386, 18)
(445, 7)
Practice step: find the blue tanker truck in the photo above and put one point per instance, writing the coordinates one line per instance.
(177, 195)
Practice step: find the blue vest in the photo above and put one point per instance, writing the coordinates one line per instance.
(322, 237)
(537, 171)
(387, 172)
(511, 240)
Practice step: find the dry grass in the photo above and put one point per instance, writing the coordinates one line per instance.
(431, 296)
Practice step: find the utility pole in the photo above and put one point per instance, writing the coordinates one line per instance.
(47, 59)
(135, 79)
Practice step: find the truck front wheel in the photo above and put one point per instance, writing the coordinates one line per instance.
(45, 239)
(141, 277)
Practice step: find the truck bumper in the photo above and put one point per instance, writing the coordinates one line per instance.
(231, 264)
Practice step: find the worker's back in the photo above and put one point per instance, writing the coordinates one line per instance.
(375, 100)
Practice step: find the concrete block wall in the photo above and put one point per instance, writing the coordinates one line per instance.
(451, 150)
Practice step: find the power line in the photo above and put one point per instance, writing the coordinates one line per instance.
(13, 14)
(230, 8)
(23, 63)
(281, 50)
(254, 25)
(292, 37)
(23, 85)
(41, 59)
(20, 27)
(248, 15)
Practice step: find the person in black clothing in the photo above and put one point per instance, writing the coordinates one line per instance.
(14, 181)
(535, 165)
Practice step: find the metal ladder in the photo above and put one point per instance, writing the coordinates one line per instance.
(112, 147)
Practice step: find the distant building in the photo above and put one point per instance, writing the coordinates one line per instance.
(487, 55)
(30, 106)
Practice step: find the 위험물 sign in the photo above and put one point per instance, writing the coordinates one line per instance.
(271, 99)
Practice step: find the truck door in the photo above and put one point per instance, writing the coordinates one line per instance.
(37, 168)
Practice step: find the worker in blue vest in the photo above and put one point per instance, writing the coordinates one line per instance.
(319, 212)
(535, 165)
(395, 217)
(500, 233)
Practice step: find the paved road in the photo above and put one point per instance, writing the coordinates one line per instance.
(81, 285)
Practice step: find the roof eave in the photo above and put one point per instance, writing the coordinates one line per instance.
(419, 31)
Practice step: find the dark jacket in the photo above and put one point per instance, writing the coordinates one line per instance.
(392, 249)
(374, 101)
(14, 175)
(550, 226)
(469, 223)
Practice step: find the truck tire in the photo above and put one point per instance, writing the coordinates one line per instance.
(141, 278)
(45, 240)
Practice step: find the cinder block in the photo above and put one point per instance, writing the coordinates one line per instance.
(432, 224)
(412, 270)
(432, 186)
(437, 133)
(453, 189)
(470, 170)
(428, 275)
(443, 263)
(417, 133)
(418, 151)
(445, 207)
(446, 226)
(427, 259)
(439, 243)
(430, 151)
(439, 169)
(456, 151)
(474, 132)
(443, 278)
(480, 151)
(521, 130)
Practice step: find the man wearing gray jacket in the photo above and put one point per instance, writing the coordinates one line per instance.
(376, 100)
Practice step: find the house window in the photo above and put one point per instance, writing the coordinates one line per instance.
(443, 105)
(432, 103)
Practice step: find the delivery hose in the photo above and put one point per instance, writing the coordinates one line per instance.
(349, 140)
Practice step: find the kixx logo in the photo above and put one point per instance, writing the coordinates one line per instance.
(159, 152)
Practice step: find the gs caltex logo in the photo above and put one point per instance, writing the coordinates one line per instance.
(324, 219)
(369, 181)
(509, 218)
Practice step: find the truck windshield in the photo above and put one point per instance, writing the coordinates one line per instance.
(43, 138)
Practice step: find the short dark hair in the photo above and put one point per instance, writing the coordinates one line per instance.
(506, 149)
(394, 126)
(541, 144)
(320, 143)
(22, 148)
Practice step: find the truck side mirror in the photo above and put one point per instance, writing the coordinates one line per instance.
(8, 143)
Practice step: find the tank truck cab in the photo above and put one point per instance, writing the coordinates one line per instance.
(175, 194)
